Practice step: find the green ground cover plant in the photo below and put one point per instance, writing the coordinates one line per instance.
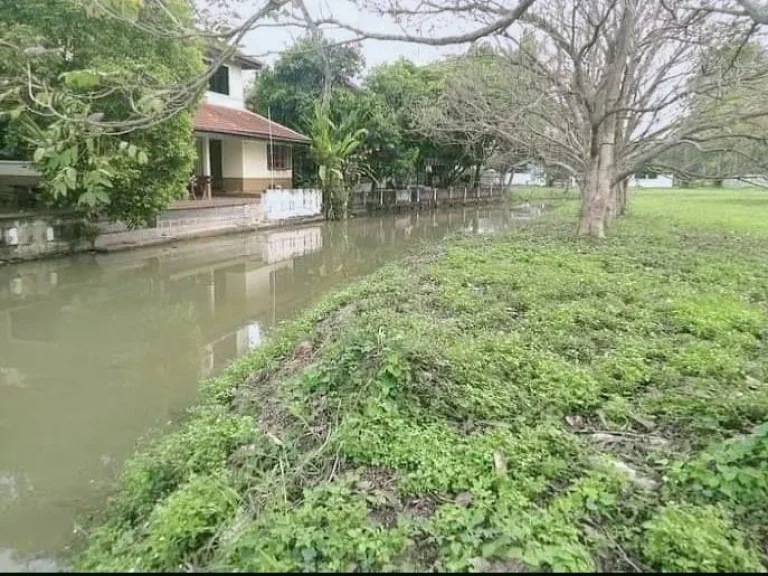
(522, 401)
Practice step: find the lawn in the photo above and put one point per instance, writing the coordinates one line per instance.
(527, 401)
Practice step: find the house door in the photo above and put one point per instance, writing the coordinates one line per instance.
(217, 175)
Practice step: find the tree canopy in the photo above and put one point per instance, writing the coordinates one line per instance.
(289, 90)
(86, 66)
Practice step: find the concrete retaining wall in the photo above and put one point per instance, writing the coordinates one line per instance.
(25, 236)
(28, 236)
(185, 222)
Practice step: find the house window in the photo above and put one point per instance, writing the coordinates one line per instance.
(219, 82)
(278, 157)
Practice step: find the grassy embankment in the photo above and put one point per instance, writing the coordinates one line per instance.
(523, 401)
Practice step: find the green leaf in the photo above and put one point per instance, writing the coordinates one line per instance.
(83, 79)
(102, 196)
(87, 198)
(70, 177)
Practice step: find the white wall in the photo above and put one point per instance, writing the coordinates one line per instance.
(248, 159)
(280, 204)
(232, 158)
(526, 179)
(255, 159)
(661, 181)
(236, 98)
(255, 162)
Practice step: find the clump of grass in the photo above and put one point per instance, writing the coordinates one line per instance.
(524, 401)
(685, 538)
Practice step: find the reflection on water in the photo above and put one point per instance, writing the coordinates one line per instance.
(96, 350)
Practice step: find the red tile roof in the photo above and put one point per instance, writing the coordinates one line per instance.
(222, 120)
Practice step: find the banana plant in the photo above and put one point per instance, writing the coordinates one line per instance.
(335, 149)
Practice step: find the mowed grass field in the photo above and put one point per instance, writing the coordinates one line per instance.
(523, 401)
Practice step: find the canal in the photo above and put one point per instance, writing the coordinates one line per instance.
(96, 351)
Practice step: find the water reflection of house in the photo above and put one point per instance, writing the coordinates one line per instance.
(292, 243)
(240, 293)
(96, 350)
(226, 292)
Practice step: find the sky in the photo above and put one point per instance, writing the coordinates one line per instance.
(264, 40)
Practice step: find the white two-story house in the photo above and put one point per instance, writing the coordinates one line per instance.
(233, 143)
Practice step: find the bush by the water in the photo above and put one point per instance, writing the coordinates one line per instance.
(522, 401)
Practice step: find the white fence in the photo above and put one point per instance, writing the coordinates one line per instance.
(402, 196)
(280, 204)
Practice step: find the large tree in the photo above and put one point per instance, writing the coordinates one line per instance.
(444, 120)
(227, 22)
(601, 88)
(311, 70)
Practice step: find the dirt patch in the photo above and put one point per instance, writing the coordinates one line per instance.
(303, 351)
(421, 507)
(381, 486)
(377, 479)
(386, 517)
(259, 391)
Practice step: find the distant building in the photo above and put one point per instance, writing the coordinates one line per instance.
(651, 181)
(532, 175)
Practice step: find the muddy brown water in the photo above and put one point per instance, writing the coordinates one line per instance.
(97, 350)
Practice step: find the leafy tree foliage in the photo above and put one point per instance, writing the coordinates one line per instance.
(290, 89)
(97, 69)
(335, 151)
(406, 91)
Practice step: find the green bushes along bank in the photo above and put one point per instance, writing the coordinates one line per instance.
(522, 401)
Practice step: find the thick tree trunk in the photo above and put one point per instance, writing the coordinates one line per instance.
(593, 201)
(612, 209)
(617, 203)
(476, 177)
(597, 198)
(592, 221)
(622, 203)
(600, 199)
